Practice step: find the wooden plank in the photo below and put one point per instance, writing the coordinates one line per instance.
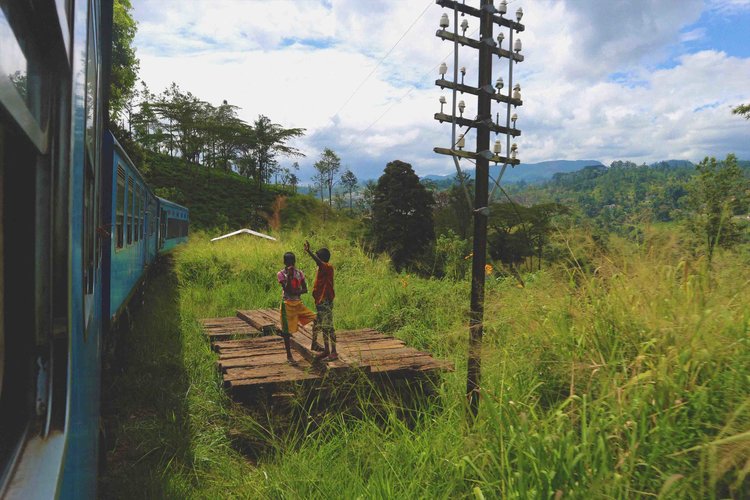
(233, 329)
(246, 353)
(229, 344)
(255, 318)
(253, 362)
(277, 370)
(269, 380)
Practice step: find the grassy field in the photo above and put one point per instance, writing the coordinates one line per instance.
(624, 373)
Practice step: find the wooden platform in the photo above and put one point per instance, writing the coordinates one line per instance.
(226, 328)
(259, 358)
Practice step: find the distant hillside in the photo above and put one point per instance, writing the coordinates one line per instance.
(219, 199)
(526, 172)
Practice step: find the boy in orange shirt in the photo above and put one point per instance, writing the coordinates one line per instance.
(323, 294)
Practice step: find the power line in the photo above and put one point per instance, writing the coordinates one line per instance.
(406, 94)
(421, 78)
(384, 58)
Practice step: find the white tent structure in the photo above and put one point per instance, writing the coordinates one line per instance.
(247, 231)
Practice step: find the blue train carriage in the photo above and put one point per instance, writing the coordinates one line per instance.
(134, 231)
(174, 221)
(54, 81)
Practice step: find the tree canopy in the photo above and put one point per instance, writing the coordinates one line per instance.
(180, 124)
(327, 168)
(742, 110)
(717, 193)
(124, 62)
(402, 221)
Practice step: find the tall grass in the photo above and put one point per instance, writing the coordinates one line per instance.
(623, 373)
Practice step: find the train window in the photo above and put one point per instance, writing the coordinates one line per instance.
(120, 208)
(136, 209)
(92, 87)
(21, 62)
(89, 235)
(140, 213)
(129, 209)
(143, 209)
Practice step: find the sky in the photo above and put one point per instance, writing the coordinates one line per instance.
(637, 80)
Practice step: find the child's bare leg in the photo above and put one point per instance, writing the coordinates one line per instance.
(288, 347)
(332, 336)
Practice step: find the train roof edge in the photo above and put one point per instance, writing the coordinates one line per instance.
(172, 203)
(121, 151)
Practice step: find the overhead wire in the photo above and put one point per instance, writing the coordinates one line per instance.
(408, 92)
(429, 3)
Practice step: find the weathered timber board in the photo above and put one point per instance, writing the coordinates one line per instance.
(270, 380)
(233, 344)
(276, 371)
(226, 328)
(256, 318)
(246, 353)
(253, 362)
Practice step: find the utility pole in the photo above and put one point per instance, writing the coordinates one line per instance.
(484, 124)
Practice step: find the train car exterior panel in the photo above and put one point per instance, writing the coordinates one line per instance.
(133, 230)
(174, 222)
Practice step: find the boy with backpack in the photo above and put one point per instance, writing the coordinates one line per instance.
(293, 311)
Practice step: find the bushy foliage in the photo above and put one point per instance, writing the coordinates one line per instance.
(402, 221)
(718, 192)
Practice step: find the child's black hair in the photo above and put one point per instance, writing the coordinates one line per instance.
(323, 254)
(289, 259)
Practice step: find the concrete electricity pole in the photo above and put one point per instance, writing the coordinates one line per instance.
(488, 16)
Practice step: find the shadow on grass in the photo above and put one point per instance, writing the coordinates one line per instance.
(292, 412)
(144, 410)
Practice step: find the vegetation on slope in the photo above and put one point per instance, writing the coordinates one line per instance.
(223, 200)
(623, 376)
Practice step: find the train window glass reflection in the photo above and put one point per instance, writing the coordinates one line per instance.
(92, 83)
(120, 208)
(20, 64)
(130, 198)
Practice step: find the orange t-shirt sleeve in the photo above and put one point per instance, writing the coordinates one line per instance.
(323, 288)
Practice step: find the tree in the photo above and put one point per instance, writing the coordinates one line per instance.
(319, 185)
(402, 223)
(124, 69)
(349, 181)
(368, 195)
(742, 110)
(293, 181)
(717, 193)
(456, 214)
(268, 140)
(328, 166)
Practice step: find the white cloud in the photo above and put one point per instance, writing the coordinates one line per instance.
(600, 80)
